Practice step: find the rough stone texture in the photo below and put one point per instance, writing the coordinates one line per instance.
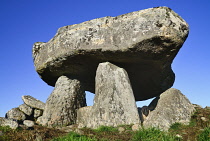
(16, 114)
(8, 122)
(61, 106)
(37, 113)
(172, 107)
(28, 123)
(26, 109)
(136, 127)
(144, 43)
(84, 115)
(121, 129)
(33, 102)
(114, 102)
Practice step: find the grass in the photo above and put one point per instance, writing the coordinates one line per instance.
(197, 130)
(106, 129)
(205, 135)
(176, 126)
(74, 137)
(153, 134)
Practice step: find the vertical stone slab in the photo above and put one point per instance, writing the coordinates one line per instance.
(114, 102)
(61, 106)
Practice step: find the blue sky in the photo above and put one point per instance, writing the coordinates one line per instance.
(23, 22)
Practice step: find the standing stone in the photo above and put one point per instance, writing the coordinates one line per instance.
(16, 114)
(8, 122)
(26, 109)
(61, 106)
(114, 102)
(172, 107)
(33, 102)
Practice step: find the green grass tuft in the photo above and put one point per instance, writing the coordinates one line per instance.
(106, 129)
(73, 137)
(153, 134)
(205, 135)
(5, 128)
(176, 126)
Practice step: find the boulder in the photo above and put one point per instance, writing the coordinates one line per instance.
(16, 114)
(8, 122)
(172, 107)
(37, 113)
(26, 109)
(61, 106)
(114, 102)
(33, 102)
(28, 123)
(144, 43)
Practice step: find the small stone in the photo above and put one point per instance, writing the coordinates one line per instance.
(121, 129)
(8, 122)
(68, 128)
(203, 119)
(16, 114)
(28, 123)
(179, 136)
(79, 131)
(33, 102)
(136, 127)
(38, 137)
(37, 113)
(26, 109)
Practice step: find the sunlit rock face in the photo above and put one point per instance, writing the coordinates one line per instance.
(144, 43)
(114, 102)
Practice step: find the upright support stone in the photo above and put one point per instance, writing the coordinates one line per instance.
(114, 102)
(61, 106)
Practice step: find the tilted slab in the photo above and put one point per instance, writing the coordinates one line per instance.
(144, 43)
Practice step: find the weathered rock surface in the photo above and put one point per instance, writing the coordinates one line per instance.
(33, 102)
(114, 102)
(26, 109)
(61, 106)
(37, 113)
(16, 114)
(8, 122)
(144, 43)
(28, 123)
(172, 107)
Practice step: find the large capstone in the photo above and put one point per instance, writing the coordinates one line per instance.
(61, 106)
(114, 102)
(144, 43)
